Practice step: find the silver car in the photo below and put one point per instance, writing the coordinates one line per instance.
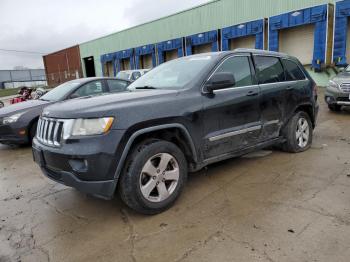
(132, 75)
(338, 91)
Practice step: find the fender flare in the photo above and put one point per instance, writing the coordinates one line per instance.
(148, 130)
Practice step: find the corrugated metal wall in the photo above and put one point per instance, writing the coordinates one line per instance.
(26, 77)
(214, 15)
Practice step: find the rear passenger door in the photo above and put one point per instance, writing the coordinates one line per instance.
(232, 116)
(271, 79)
(296, 86)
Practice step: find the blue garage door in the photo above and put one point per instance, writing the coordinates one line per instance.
(124, 60)
(167, 48)
(201, 40)
(316, 15)
(107, 61)
(341, 33)
(145, 57)
(235, 33)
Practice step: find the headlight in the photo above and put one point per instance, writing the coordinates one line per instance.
(333, 84)
(12, 119)
(90, 127)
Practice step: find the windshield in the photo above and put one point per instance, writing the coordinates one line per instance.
(60, 92)
(175, 74)
(123, 75)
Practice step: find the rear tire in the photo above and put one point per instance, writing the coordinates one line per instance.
(1, 104)
(334, 108)
(299, 133)
(153, 178)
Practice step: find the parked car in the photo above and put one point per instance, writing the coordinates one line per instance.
(178, 118)
(338, 91)
(132, 75)
(18, 122)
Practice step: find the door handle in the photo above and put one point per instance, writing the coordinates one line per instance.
(252, 93)
(290, 87)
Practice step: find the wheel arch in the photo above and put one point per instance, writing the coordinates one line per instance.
(307, 108)
(30, 125)
(170, 132)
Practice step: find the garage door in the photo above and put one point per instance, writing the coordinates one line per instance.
(110, 71)
(242, 42)
(126, 64)
(170, 55)
(146, 61)
(199, 49)
(299, 42)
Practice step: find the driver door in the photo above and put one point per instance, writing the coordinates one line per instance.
(232, 115)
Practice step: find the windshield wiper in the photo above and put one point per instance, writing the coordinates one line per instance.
(146, 87)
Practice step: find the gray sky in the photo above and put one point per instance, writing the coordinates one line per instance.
(46, 26)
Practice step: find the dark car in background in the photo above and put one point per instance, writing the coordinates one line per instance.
(18, 122)
(178, 118)
(338, 91)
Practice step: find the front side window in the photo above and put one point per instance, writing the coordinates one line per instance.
(269, 69)
(89, 89)
(293, 71)
(240, 68)
(117, 85)
(60, 92)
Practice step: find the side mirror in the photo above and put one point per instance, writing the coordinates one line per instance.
(220, 81)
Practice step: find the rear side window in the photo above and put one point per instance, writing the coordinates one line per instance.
(269, 69)
(293, 72)
(240, 68)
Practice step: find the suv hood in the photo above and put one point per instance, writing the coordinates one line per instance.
(23, 106)
(105, 105)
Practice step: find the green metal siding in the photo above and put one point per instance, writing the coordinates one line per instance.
(210, 16)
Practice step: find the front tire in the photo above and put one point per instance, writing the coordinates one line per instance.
(299, 133)
(153, 178)
(32, 132)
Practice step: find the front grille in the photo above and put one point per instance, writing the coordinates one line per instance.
(345, 87)
(49, 131)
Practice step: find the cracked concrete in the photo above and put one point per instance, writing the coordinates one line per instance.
(268, 206)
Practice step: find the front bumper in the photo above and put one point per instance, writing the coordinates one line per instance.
(337, 97)
(88, 164)
(11, 134)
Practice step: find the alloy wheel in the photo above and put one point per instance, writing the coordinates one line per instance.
(159, 177)
(302, 132)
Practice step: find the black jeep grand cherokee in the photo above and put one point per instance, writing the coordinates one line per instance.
(178, 118)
